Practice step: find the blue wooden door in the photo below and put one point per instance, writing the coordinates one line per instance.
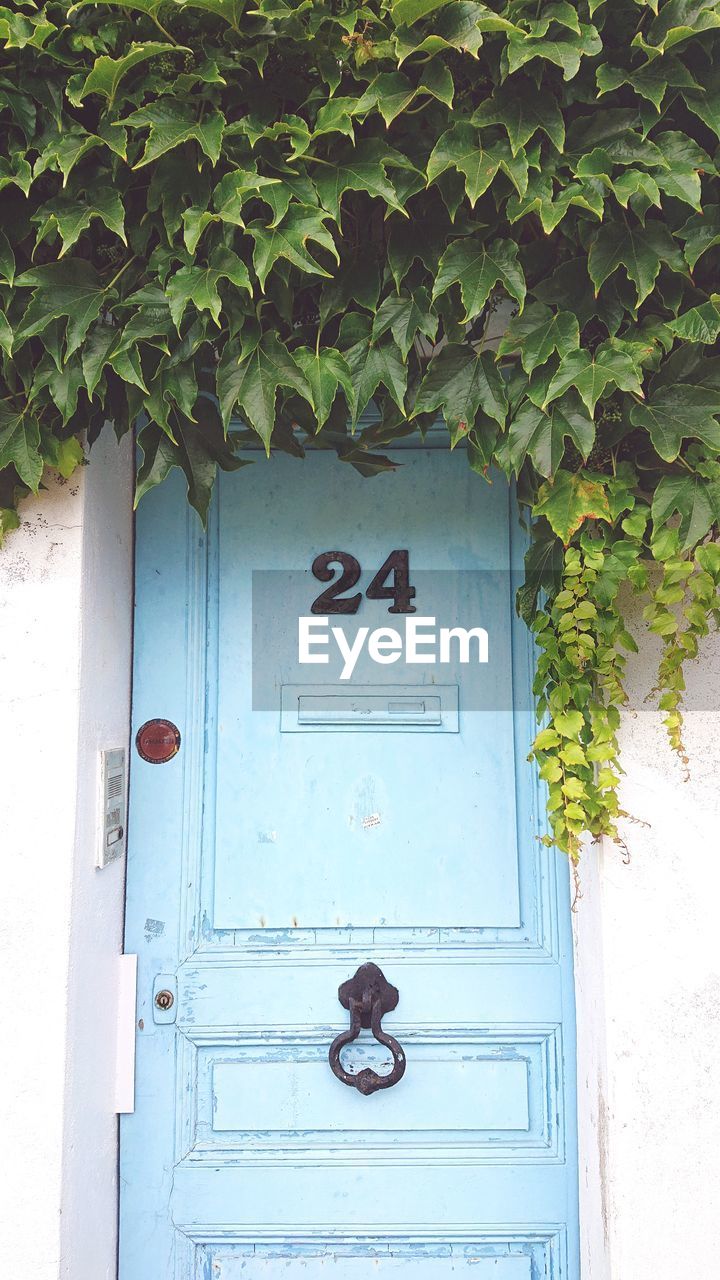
(315, 820)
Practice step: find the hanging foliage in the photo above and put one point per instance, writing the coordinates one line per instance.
(277, 212)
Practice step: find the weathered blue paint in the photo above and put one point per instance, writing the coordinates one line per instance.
(270, 860)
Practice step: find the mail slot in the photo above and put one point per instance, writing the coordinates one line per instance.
(318, 708)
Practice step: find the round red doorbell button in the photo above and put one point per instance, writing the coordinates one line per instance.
(158, 741)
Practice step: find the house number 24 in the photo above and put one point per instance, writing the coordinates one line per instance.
(331, 600)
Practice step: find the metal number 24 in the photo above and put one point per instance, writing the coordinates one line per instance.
(333, 601)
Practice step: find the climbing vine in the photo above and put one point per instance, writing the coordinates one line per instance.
(231, 219)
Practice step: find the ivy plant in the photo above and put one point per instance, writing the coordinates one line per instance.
(231, 219)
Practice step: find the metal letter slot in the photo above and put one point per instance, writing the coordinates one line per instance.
(368, 996)
(370, 709)
(381, 708)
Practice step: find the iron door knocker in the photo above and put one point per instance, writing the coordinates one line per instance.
(368, 996)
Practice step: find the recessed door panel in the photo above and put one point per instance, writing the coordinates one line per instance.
(338, 829)
(463, 1093)
(422, 1264)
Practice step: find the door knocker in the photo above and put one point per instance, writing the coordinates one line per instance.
(368, 996)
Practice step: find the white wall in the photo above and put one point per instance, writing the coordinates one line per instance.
(65, 628)
(647, 953)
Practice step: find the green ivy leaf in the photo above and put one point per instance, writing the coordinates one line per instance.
(678, 21)
(437, 81)
(98, 345)
(566, 53)
(694, 498)
(7, 260)
(20, 445)
(106, 74)
(230, 197)
(293, 188)
(173, 123)
(72, 289)
(523, 112)
(700, 324)
(390, 92)
(560, 12)
(63, 385)
(65, 151)
(229, 10)
(569, 724)
(461, 148)
(201, 449)
(674, 414)
(68, 456)
(541, 198)
(174, 187)
(335, 116)
(149, 7)
(700, 234)
(460, 25)
(638, 190)
(69, 217)
(355, 281)
(20, 31)
(537, 333)
(459, 382)
(543, 571)
(405, 315)
(199, 285)
(641, 250)
(251, 381)
(325, 372)
(159, 458)
(426, 246)
(15, 171)
(705, 104)
(289, 240)
(547, 740)
(478, 268)
(591, 375)
(373, 365)
(568, 501)
(650, 81)
(541, 436)
(409, 11)
(7, 337)
(360, 168)
(685, 161)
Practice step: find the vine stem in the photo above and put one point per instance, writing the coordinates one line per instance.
(162, 29)
(123, 268)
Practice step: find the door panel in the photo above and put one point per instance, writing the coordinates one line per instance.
(324, 811)
(286, 1091)
(399, 1265)
(309, 825)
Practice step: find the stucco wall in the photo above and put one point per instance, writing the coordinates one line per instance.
(648, 980)
(65, 628)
